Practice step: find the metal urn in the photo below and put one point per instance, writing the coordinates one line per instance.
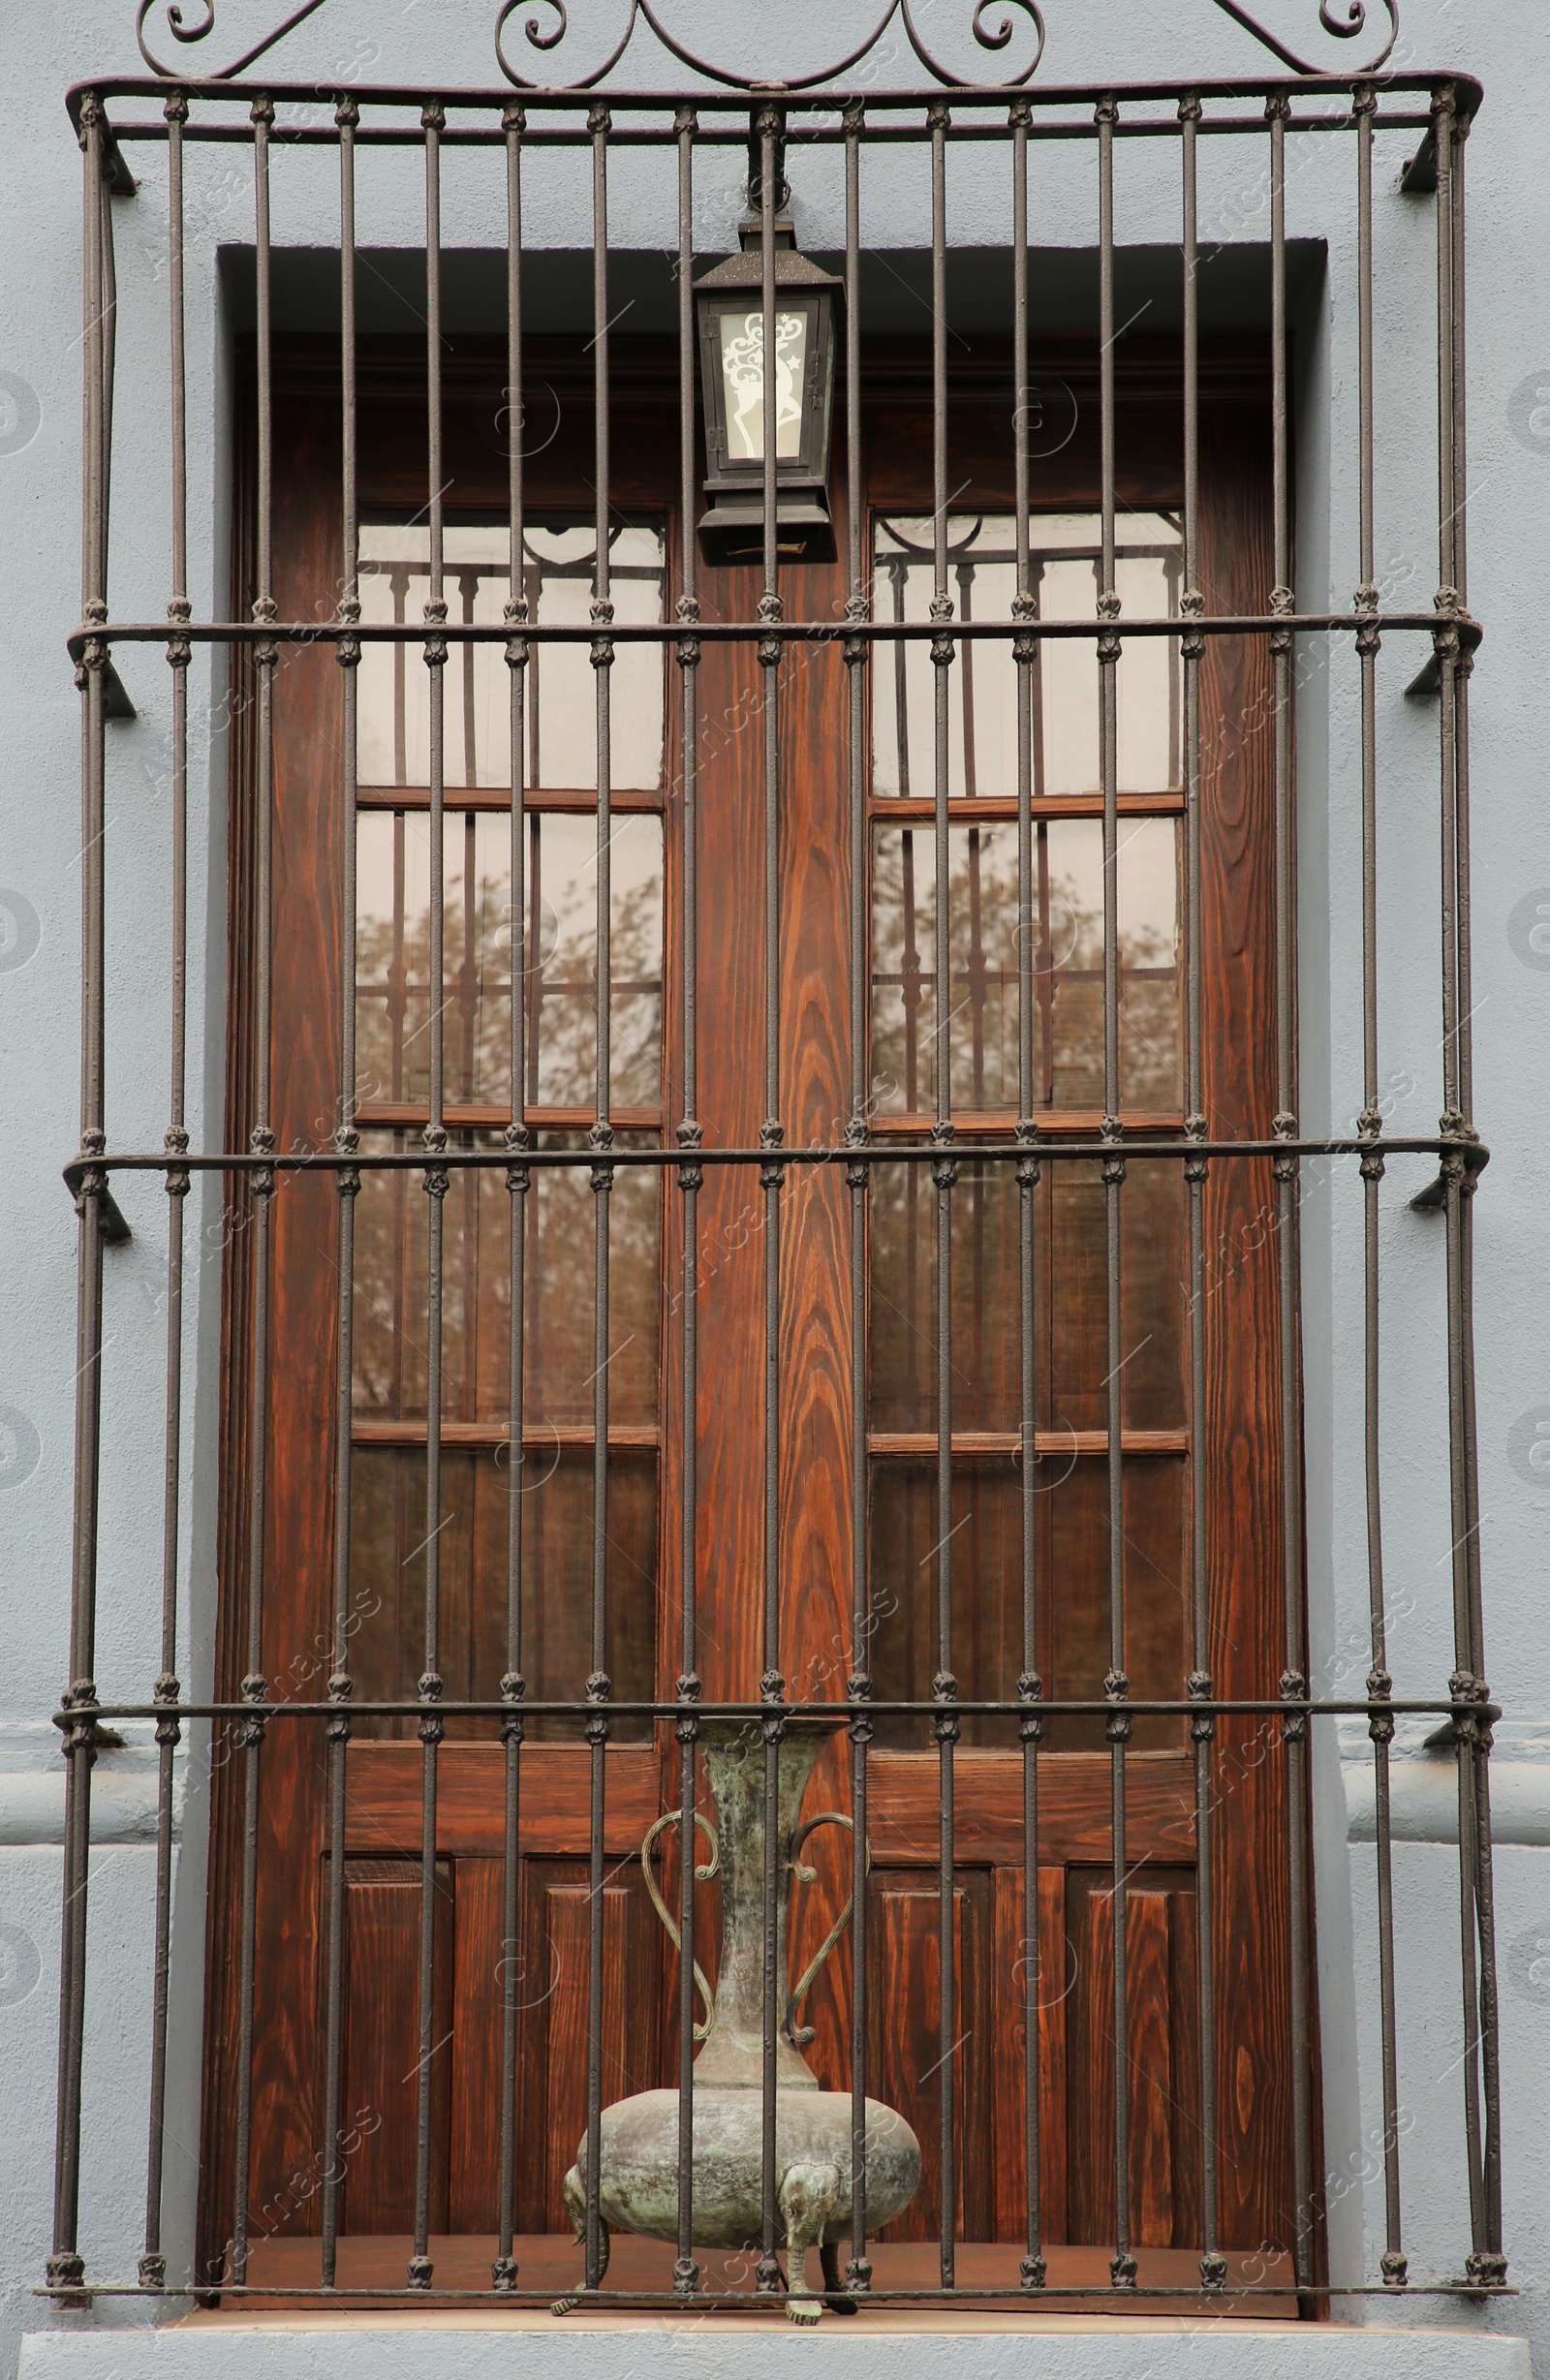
(637, 2188)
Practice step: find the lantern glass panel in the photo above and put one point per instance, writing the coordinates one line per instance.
(741, 334)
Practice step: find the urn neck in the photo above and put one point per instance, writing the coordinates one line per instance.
(735, 1768)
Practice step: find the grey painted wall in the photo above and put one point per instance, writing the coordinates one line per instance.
(1507, 45)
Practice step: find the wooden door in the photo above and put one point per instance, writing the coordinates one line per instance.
(1073, 1920)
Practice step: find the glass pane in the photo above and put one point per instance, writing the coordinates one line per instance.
(1156, 1604)
(1071, 1327)
(387, 1582)
(395, 685)
(392, 920)
(742, 371)
(902, 1314)
(562, 1268)
(391, 1288)
(1154, 1287)
(982, 1025)
(1071, 1586)
(983, 684)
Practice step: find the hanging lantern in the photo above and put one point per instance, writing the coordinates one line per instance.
(732, 356)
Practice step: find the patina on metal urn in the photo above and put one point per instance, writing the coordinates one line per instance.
(637, 2188)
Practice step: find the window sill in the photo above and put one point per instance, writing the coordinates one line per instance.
(493, 2346)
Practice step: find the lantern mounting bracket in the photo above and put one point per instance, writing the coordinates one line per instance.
(755, 165)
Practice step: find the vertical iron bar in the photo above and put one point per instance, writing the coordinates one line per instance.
(1380, 1684)
(1465, 1684)
(602, 1136)
(261, 1140)
(769, 127)
(1491, 2264)
(153, 2264)
(686, 2273)
(1116, 1684)
(1294, 1681)
(110, 350)
(433, 120)
(944, 1174)
(65, 2265)
(1030, 1686)
(346, 1182)
(1202, 1726)
(502, 2270)
(858, 1684)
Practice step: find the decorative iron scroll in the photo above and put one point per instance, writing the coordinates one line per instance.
(1344, 26)
(1344, 19)
(987, 36)
(181, 32)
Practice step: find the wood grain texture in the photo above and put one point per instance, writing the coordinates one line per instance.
(551, 2266)
(382, 2045)
(552, 2087)
(906, 2061)
(731, 1530)
(303, 1324)
(304, 1292)
(1058, 1972)
(1241, 1447)
(1074, 1807)
(1161, 2141)
(383, 1812)
(478, 1972)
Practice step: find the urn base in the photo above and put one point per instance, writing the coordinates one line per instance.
(637, 2188)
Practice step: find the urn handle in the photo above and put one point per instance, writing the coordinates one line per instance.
(675, 1817)
(800, 2035)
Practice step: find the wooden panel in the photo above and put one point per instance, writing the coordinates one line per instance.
(1163, 2131)
(1243, 1445)
(1151, 2070)
(1074, 1807)
(1008, 2034)
(730, 1534)
(303, 1333)
(474, 2155)
(382, 2043)
(553, 2085)
(1058, 1972)
(905, 2048)
(286, 2063)
(1008, 2030)
(816, 1399)
(1184, 2050)
(550, 1959)
(386, 1811)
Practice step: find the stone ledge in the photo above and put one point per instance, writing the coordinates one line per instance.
(1424, 1799)
(480, 2346)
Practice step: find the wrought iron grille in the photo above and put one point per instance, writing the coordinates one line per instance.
(912, 593)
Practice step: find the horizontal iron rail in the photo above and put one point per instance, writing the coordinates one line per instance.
(1037, 2301)
(1467, 90)
(1052, 1706)
(406, 135)
(1475, 1156)
(1433, 623)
